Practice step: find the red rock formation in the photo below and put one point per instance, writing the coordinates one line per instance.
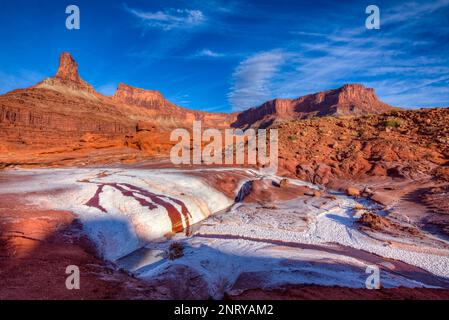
(145, 126)
(67, 77)
(151, 99)
(58, 111)
(50, 105)
(167, 113)
(351, 99)
(400, 145)
(68, 68)
(53, 116)
(163, 111)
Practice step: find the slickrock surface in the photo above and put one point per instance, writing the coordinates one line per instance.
(130, 215)
(305, 292)
(36, 246)
(399, 159)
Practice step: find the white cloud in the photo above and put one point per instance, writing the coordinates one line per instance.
(208, 53)
(411, 11)
(423, 92)
(180, 99)
(251, 79)
(169, 19)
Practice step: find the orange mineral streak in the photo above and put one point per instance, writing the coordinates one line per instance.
(177, 218)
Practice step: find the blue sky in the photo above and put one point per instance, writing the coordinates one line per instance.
(230, 55)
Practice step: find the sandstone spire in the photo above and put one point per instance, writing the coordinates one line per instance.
(68, 68)
(67, 77)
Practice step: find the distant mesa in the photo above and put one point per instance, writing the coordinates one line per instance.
(350, 99)
(166, 111)
(63, 117)
(74, 105)
(145, 98)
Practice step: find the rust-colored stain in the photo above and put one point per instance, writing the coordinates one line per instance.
(95, 200)
(156, 200)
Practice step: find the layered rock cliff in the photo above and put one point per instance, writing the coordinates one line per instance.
(351, 99)
(151, 99)
(60, 111)
(166, 113)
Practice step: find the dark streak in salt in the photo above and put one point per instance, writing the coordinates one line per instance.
(156, 200)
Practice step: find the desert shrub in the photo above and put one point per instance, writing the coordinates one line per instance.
(394, 123)
(293, 138)
(175, 251)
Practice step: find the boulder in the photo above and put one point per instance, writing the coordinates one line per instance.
(353, 192)
(322, 173)
(284, 183)
(305, 172)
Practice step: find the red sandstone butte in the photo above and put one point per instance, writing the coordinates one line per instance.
(351, 99)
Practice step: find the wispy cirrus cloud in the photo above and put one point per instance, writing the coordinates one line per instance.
(169, 19)
(410, 12)
(251, 79)
(208, 54)
(180, 98)
(402, 61)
